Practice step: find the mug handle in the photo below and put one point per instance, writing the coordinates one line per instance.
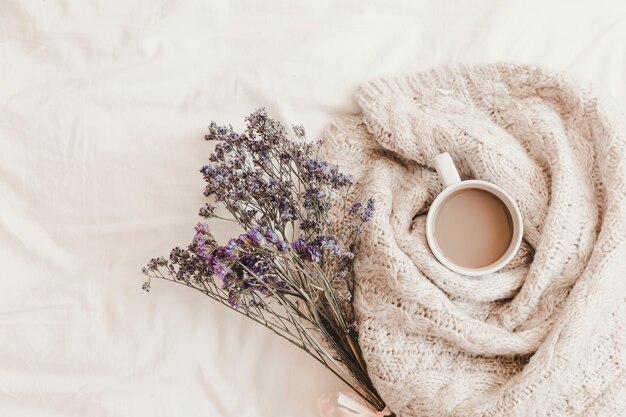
(446, 170)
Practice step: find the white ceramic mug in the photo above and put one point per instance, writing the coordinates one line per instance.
(452, 183)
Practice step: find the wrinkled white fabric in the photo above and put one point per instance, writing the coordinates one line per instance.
(547, 334)
(103, 108)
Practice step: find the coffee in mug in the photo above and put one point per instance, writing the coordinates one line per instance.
(473, 227)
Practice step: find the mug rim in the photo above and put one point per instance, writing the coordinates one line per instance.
(516, 217)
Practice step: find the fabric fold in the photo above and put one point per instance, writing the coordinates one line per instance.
(543, 336)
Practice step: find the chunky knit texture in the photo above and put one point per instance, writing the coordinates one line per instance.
(545, 335)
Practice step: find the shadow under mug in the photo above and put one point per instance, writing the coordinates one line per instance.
(452, 183)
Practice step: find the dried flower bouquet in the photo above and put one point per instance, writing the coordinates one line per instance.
(291, 268)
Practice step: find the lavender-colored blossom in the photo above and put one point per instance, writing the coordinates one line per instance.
(201, 249)
(316, 170)
(219, 268)
(201, 230)
(364, 214)
(309, 224)
(356, 207)
(329, 243)
(347, 254)
(260, 267)
(358, 229)
(313, 253)
(369, 210)
(207, 211)
(306, 251)
(313, 198)
(155, 263)
(203, 240)
(269, 279)
(325, 240)
(247, 260)
(228, 251)
(255, 236)
(282, 245)
(287, 216)
(340, 180)
(271, 236)
(234, 299)
(299, 246)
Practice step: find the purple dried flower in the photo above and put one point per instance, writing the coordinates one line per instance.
(355, 209)
(251, 282)
(357, 229)
(282, 245)
(255, 264)
(308, 224)
(247, 260)
(269, 279)
(340, 180)
(313, 198)
(313, 253)
(155, 263)
(201, 230)
(364, 214)
(299, 246)
(260, 267)
(287, 216)
(325, 240)
(347, 255)
(234, 299)
(329, 242)
(271, 236)
(227, 251)
(201, 249)
(310, 252)
(219, 269)
(255, 236)
(207, 211)
(202, 242)
(316, 170)
(369, 210)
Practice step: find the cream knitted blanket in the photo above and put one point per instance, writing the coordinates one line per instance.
(546, 335)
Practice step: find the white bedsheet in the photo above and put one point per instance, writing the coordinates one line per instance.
(103, 108)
